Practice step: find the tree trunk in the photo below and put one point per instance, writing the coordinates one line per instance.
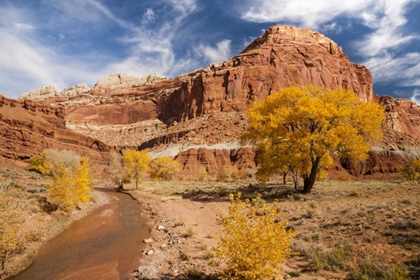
(137, 184)
(284, 178)
(309, 180)
(120, 187)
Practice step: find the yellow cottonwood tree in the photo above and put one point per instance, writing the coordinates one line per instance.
(71, 177)
(163, 168)
(297, 128)
(136, 163)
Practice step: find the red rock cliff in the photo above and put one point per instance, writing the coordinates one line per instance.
(28, 127)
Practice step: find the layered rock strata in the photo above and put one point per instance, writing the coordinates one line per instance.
(207, 105)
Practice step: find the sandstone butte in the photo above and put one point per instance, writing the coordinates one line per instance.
(199, 116)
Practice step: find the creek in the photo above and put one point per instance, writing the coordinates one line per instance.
(106, 244)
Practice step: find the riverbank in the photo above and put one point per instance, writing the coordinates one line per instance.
(43, 227)
(341, 228)
(105, 244)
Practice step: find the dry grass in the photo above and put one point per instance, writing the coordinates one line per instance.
(345, 229)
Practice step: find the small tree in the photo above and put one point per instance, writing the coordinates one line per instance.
(163, 168)
(411, 170)
(253, 242)
(136, 163)
(84, 180)
(297, 128)
(117, 171)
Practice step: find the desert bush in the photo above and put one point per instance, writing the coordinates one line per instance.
(37, 164)
(202, 174)
(119, 175)
(226, 173)
(12, 238)
(163, 168)
(334, 259)
(371, 269)
(411, 170)
(253, 241)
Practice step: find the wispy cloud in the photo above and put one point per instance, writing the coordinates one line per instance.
(62, 50)
(390, 69)
(23, 26)
(415, 97)
(149, 16)
(221, 52)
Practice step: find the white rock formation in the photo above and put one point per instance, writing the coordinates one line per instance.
(75, 90)
(40, 93)
(115, 81)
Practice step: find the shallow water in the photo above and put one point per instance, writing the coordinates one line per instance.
(106, 244)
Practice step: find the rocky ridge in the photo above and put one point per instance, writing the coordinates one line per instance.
(207, 105)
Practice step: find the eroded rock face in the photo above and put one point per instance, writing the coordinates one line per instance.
(28, 127)
(215, 159)
(153, 112)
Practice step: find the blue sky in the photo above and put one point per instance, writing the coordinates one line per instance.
(62, 42)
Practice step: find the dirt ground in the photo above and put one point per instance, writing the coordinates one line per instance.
(343, 229)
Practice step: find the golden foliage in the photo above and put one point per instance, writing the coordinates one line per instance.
(296, 129)
(136, 163)
(163, 168)
(411, 170)
(71, 177)
(12, 239)
(226, 173)
(202, 174)
(83, 180)
(37, 164)
(253, 242)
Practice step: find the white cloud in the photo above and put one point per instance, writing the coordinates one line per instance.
(46, 57)
(184, 6)
(387, 68)
(215, 54)
(386, 21)
(149, 16)
(304, 13)
(23, 26)
(415, 97)
(385, 18)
